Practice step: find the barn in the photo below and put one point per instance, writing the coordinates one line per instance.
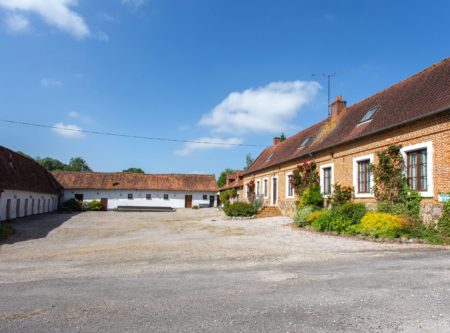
(119, 189)
(26, 188)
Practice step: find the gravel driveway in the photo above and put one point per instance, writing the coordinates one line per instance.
(194, 270)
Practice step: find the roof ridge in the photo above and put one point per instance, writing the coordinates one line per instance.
(133, 173)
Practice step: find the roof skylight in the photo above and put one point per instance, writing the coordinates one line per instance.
(369, 115)
(305, 142)
(270, 156)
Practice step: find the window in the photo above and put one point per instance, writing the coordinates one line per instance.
(270, 156)
(305, 142)
(258, 190)
(148, 196)
(166, 197)
(369, 115)
(364, 176)
(327, 180)
(266, 190)
(130, 196)
(416, 170)
(205, 197)
(289, 186)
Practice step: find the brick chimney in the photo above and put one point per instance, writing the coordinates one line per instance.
(231, 177)
(276, 140)
(337, 108)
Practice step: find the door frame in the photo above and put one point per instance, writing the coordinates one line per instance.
(188, 203)
(274, 191)
(212, 200)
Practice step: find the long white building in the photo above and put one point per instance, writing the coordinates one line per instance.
(26, 188)
(140, 190)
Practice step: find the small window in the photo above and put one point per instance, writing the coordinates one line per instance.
(270, 156)
(166, 197)
(327, 180)
(416, 170)
(130, 196)
(364, 176)
(205, 197)
(369, 115)
(305, 142)
(148, 196)
(290, 186)
(258, 190)
(266, 192)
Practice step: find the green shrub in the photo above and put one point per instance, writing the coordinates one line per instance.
(311, 197)
(95, 205)
(315, 215)
(6, 231)
(352, 211)
(225, 196)
(72, 204)
(300, 218)
(390, 208)
(443, 225)
(383, 224)
(340, 218)
(258, 203)
(240, 209)
(341, 195)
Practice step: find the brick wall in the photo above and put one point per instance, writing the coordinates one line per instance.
(435, 129)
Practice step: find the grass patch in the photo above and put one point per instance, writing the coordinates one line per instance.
(6, 231)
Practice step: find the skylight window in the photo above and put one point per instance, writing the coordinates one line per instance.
(270, 156)
(369, 115)
(305, 142)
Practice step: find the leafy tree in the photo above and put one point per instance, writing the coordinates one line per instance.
(282, 137)
(134, 170)
(223, 176)
(78, 164)
(51, 164)
(248, 161)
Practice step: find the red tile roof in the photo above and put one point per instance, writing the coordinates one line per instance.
(421, 95)
(136, 181)
(18, 172)
(236, 183)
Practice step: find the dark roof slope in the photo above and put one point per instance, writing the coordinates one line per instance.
(18, 172)
(420, 95)
(136, 181)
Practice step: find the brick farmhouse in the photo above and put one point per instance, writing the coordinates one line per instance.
(414, 113)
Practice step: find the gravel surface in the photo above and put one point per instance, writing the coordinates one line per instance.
(195, 270)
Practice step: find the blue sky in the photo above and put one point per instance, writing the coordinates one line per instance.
(216, 70)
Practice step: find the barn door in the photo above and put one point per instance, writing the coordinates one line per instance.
(18, 208)
(8, 209)
(188, 201)
(211, 200)
(104, 202)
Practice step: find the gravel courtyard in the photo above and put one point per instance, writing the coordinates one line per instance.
(195, 270)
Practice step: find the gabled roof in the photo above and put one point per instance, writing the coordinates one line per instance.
(21, 173)
(136, 181)
(238, 181)
(420, 95)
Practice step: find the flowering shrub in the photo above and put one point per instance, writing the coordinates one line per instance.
(315, 215)
(300, 218)
(382, 224)
(304, 176)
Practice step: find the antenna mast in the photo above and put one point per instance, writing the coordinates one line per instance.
(329, 76)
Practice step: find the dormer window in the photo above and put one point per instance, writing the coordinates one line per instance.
(305, 142)
(369, 115)
(270, 156)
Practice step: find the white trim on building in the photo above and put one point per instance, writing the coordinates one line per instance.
(266, 187)
(322, 178)
(289, 187)
(370, 158)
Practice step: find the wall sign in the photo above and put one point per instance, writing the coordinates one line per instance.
(444, 197)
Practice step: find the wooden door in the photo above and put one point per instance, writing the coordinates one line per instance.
(211, 200)
(274, 190)
(104, 202)
(188, 201)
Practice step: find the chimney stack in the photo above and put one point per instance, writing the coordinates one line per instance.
(337, 108)
(276, 140)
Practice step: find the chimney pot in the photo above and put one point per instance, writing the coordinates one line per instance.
(276, 140)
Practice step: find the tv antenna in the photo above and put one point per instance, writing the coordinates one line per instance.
(328, 76)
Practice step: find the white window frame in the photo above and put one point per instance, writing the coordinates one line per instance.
(322, 178)
(287, 186)
(428, 145)
(355, 176)
(266, 193)
(278, 191)
(258, 188)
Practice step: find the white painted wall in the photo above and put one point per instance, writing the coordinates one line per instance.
(120, 197)
(23, 203)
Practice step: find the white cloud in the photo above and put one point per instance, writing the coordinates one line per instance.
(68, 131)
(266, 109)
(54, 12)
(47, 82)
(17, 23)
(134, 3)
(201, 144)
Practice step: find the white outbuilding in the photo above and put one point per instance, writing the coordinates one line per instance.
(26, 188)
(119, 189)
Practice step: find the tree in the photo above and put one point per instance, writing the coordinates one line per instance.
(134, 170)
(51, 164)
(223, 176)
(78, 164)
(248, 161)
(282, 137)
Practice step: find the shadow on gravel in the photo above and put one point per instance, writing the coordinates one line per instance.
(34, 227)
